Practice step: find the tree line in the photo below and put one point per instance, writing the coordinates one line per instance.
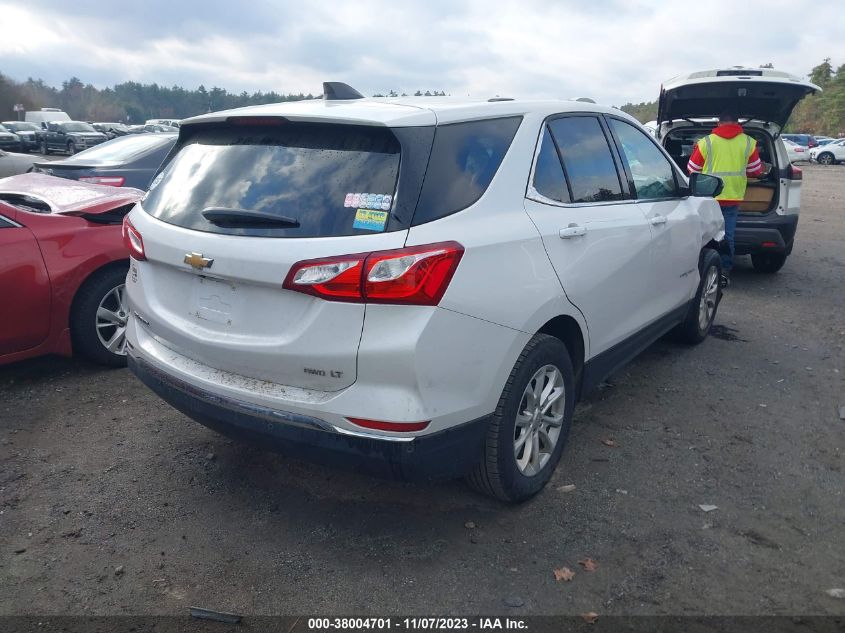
(135, 102)
(822, 113)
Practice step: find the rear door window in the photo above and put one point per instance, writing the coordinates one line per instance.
(587, 159)
(317, 174)
(464, 159)
(651, 171)
(549, 180)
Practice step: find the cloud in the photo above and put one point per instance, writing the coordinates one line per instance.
(610, 50)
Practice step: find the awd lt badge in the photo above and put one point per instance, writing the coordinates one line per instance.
(197, 261)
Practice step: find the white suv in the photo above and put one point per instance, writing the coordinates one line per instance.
(419, 287)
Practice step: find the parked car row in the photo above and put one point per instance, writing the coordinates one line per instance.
(52, 130)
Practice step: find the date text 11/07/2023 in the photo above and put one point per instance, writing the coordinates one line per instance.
(417, 624)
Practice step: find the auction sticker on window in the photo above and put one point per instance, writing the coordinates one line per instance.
(370, 220)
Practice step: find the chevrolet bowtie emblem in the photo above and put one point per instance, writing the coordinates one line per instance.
(197, 261)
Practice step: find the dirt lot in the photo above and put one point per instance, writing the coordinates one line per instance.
(111, 502)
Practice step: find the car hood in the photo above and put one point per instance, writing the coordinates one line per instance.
(70, 197)
(754, 94)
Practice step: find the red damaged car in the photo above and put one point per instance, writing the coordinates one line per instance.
(62, 268)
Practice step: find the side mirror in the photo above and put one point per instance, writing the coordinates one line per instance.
(705, 185)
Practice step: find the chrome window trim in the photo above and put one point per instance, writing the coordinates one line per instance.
(10, 223)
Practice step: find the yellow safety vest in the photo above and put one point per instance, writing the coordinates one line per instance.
(727, 159)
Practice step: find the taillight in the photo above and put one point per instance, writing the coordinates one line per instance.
(400, 427)
(333, 278)
(114, 181)
(417, 275)
(794, 173)
(132, 240)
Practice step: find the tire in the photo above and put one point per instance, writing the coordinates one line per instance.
(825, 158)
(498, 473)
(44, 149)
(768, 263)
(71, 148)
(703, 307)
(106, 289)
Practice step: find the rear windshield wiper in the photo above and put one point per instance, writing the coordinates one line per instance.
(224, 216)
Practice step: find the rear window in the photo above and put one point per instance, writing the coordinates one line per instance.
(122, 149)
(464, 159)
(333, 180)
(587, 159)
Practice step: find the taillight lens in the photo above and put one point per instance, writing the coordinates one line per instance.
(417, 275)
(333, 278)
(132, 240)
(794, 173)
(114, 181)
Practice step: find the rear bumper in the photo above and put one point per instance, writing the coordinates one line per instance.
(438, 456)
(772, 234)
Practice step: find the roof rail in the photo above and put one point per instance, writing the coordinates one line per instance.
(339, 91)
(493, 99)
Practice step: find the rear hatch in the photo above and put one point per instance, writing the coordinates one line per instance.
(752, 94)
(239, 204)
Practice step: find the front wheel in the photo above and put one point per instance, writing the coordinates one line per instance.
(531, 423)
(702, 309)
(71, 148)
(98, 318)
(768, 263)
(825, 158)
(44, 149)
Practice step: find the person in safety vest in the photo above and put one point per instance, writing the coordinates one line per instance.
(731, 155)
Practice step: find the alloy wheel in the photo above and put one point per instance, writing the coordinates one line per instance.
(112, 314)
(539, 420)
(825, 159)
(709, 298)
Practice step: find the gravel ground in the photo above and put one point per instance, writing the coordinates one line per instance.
(111, 502)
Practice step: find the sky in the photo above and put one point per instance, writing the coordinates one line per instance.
(612, 51)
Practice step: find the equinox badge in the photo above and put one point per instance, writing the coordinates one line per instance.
(196, 260)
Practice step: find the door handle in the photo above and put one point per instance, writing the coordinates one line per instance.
(572, 231)
(658, 219)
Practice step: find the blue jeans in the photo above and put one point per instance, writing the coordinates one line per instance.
(730, 213)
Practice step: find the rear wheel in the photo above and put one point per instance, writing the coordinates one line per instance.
(702, 310)
(98, 318)
(825, 158)
(768, 263)
(531, 423)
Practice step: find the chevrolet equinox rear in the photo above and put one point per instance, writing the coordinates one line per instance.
(418, 288)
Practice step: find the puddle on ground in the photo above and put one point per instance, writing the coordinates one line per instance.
(725, 333)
